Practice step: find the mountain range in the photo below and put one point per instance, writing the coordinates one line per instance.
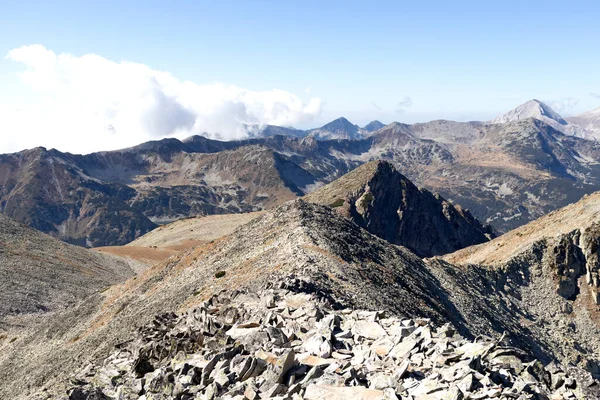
(506, 173)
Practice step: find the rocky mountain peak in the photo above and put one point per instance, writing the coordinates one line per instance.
(386, 203)
(340, 124)
(339, 128)
(373, 126)
(531, 109)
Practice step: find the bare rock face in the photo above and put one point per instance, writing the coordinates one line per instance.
(380, 199)
(48, 191)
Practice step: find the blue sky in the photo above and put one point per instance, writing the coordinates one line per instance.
(456, 60)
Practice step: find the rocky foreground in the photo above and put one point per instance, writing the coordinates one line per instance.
(291, 345)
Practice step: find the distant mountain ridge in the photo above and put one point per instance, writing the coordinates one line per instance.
(506, 174)
(339, 128)
(531, 109)
(590, 121)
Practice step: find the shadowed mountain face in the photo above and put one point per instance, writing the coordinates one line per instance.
(48, 191)
(380, 199)
(308, 248)
(506, 174)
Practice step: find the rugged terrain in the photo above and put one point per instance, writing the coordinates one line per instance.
(40, 274)
(308, 248)
(278, 343)
(380, 199)
(191, 232)
(506, 174)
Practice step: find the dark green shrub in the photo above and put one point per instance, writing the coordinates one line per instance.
(366, 200)
(337, 203)
(220, 274)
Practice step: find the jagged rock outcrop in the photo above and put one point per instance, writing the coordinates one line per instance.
(380, 199)
(279, 343)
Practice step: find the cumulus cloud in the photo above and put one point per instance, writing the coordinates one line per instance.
(595, 95)
(563, 105)
(88, 103)
(403, 104)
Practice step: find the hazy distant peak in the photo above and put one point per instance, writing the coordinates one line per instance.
(339, 128)
(373, 126)
(340, 124)
(590, 121)
(531, 109)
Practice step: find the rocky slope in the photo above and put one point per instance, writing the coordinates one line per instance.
(170, 239)
(554, 261)
(277, 343)
(383, 201)
(39, 274)
(192, 232)
(308, 248)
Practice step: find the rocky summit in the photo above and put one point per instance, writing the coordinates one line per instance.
(380, 199)
(287, 345)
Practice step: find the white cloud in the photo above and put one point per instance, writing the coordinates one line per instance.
(88, 103)
(563, 105)
(376, 106)
(403, 104)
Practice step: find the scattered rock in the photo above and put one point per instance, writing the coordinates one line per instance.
(284, 346)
